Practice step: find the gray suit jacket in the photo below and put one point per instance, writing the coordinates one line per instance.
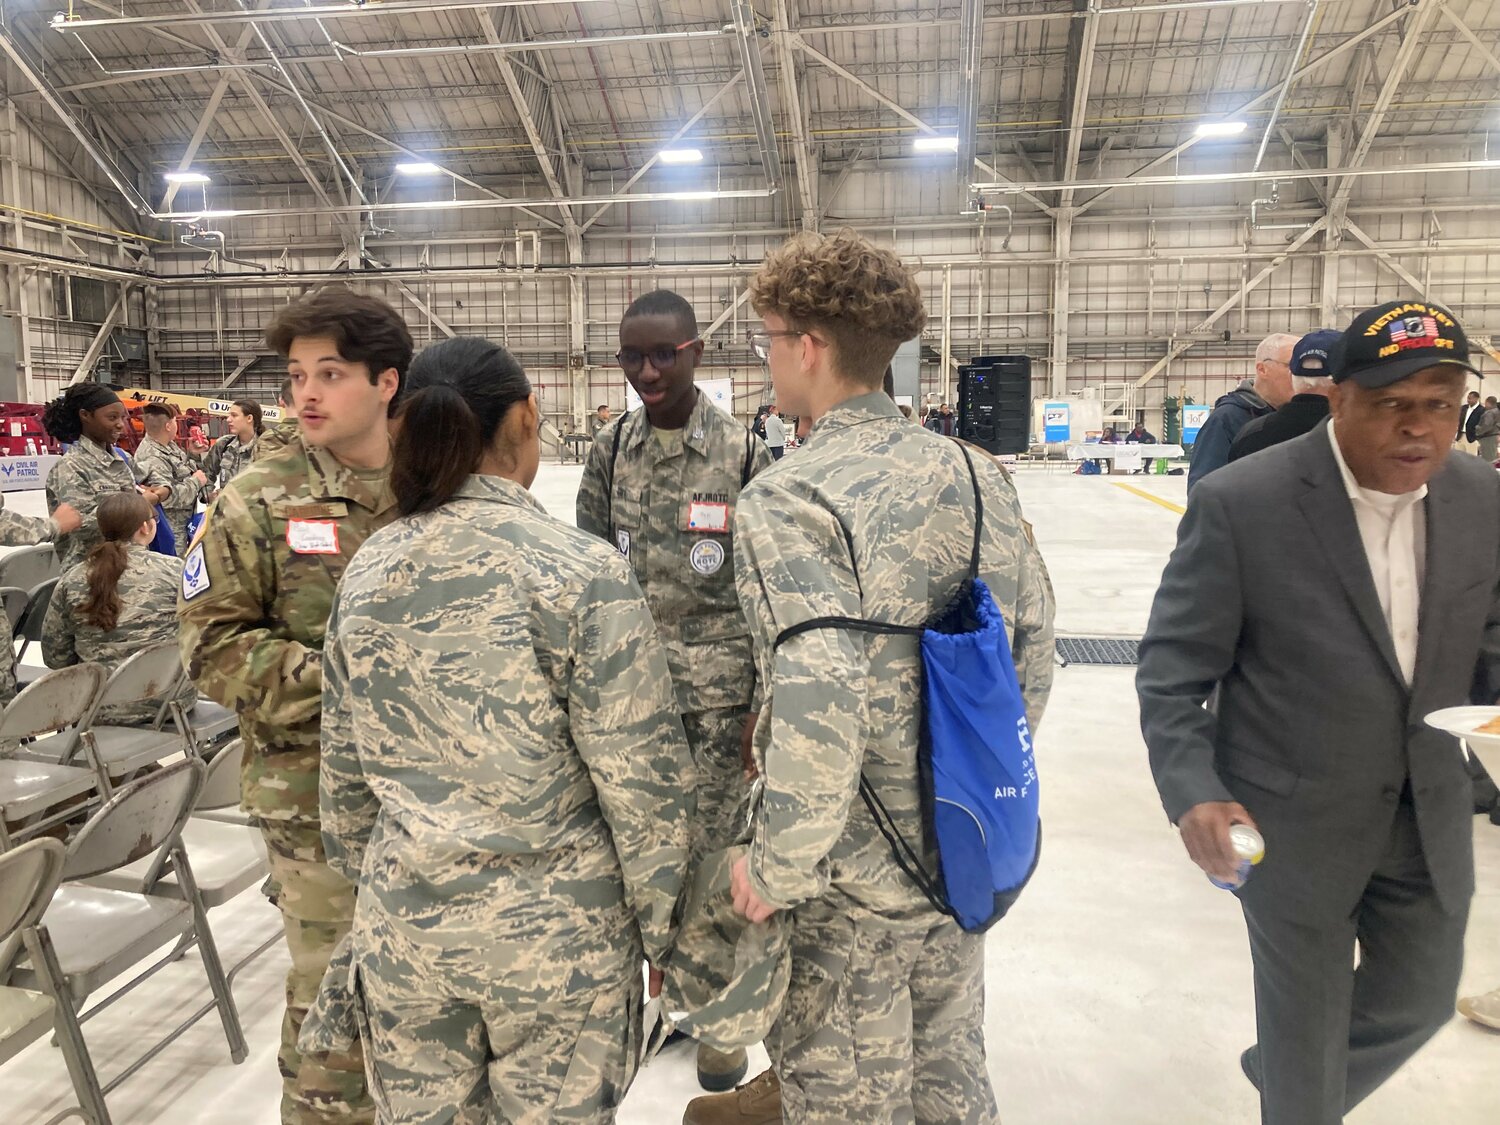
(1268, 598)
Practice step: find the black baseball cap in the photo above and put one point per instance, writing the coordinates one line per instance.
(1310, 355)
(1395, 340)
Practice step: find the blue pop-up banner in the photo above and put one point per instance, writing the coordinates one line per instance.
(1056, 421)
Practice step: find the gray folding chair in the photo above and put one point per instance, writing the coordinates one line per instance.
(100, 933)
(29, 629)
(117, 752)
(16, 600)
(29, 567)
(227, 858)
(37, 779)
(207, 723)
(28, 878)
(220, 799)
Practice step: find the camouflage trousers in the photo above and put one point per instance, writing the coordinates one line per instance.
(705, 969)
(883, 1023)
(317, 909)
(444, 1060)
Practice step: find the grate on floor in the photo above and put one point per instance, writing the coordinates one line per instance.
(1119, 652)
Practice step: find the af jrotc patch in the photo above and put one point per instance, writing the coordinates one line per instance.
(707, 556)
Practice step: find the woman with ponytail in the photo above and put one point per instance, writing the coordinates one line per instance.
(120, 599)
(91, 418)
(236, 449)
(504, 774)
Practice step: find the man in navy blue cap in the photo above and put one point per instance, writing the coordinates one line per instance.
(1309, 403)
(1321, 685)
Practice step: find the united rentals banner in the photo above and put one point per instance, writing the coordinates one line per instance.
(218, 407)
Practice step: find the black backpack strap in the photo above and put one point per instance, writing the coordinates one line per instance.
(749, 458)
(609, 492)
(978, 514)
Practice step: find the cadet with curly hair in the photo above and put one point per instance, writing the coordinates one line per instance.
(874, 520)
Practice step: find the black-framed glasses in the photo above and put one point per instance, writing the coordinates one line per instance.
(760, 342)
(662, 356)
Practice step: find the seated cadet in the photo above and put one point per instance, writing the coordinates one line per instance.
(121, 599)
(504, 775)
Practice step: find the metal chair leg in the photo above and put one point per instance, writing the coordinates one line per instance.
(229, 1015)
(69, 1035)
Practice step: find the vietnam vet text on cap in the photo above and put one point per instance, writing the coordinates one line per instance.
(1395, 340)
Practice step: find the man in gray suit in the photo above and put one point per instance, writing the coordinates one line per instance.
(1326, 589)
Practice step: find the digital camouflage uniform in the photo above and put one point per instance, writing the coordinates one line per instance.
(644, 510)
(883, 1018)
(226, 459)
(148, 598)
(170, 462)
(254, 611)
(506, 778)
(17, 530)
(276, 438)
(86, 474)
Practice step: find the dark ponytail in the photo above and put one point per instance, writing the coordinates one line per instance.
(456, 395)
(60, 416)
(121, 515)
(251, 410)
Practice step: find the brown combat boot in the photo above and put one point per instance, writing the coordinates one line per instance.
(719, 1071)
(757, 1102)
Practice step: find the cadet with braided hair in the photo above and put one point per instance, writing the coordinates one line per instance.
(91, 418)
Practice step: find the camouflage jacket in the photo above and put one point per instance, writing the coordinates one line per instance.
(504, 773)
(226, 459)
(148, 596)
(256, 591)
(169, 463)
(87, 472)
(898, 500)
(672, 516)
(275, 439)
(17, 530)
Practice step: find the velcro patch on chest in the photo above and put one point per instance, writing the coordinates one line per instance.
(312, 537)
(707, 556)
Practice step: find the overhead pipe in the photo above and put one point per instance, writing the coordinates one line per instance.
(1011, 188)
(62, 21)
(983, 208)
(1286, 85)
(1271, 203)
(465, 205)
(222, 253)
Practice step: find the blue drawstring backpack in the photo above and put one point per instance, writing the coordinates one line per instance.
(164, 542)
(976, 770)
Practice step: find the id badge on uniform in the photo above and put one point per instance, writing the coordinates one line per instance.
(313, 537)
(706, 516)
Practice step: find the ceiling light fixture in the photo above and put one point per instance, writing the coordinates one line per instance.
(1220, 129)
(935, 144)
(186, 178)
(680, 156)
(417, 168)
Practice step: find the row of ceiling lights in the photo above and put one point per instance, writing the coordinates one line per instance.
(695, 156)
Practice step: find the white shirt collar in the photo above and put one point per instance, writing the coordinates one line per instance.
(1383, 501)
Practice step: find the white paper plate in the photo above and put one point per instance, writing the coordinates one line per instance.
(1461, 721)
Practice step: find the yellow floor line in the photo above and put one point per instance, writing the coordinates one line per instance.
(1144, 495)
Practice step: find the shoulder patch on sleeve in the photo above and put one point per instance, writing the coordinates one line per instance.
(194, 574)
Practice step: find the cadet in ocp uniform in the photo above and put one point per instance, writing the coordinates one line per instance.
(873, 520)
(92, 419)
(276, 438)
(256, 592)
(505, 775)
(660, 486)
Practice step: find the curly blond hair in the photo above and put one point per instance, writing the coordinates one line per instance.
(843, 286)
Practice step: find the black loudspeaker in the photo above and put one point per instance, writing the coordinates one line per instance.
(994, 402)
